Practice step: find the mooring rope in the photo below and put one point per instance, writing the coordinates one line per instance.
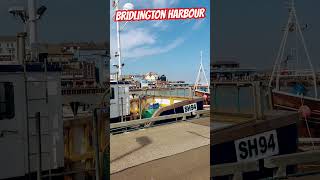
(304, 114)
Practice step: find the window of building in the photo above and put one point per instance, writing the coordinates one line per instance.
(112, 93)
(7, 110)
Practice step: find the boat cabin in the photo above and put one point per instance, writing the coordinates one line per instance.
(30, 102)
(119, 101)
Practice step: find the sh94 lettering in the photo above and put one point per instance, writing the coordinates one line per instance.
(190, 108)
(257, 147)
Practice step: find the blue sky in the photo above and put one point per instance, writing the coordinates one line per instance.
(166, 47)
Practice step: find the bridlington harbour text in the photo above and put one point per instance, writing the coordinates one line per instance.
(160, 14)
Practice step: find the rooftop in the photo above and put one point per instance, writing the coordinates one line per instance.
(8, 38)
(225, 63)
(35, 67)
(234, 70)
(60, 48)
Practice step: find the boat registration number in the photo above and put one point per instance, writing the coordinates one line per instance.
(190, 108)
(257, 147)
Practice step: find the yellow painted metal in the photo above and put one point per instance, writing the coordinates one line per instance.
(84, 153)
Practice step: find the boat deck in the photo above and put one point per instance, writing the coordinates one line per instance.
(228, 127)
(178, 146)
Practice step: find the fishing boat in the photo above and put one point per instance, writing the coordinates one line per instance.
(126, 105)
(148, 106)
(242, 137)
(290, 69)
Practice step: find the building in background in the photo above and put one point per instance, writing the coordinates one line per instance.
(8, 48)
(231, 71)
(151, 76)
(84, 64)
(79, 74)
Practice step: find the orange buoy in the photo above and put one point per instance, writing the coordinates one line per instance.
(205, 96)
(305, 111)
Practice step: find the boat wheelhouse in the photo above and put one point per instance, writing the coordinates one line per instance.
(26, 110)
(119, 101)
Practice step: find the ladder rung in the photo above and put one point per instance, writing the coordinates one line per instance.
(36, 81)
(35, 154)
(42, 134)
(37, 99)
(33, 117)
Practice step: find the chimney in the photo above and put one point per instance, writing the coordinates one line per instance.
(21, 47)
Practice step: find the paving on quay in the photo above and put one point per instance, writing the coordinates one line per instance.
(190, 165)
(163, 152)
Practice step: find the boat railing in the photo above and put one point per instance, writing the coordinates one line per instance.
(165, 92)
(234, 170)
(133, 123)
(72, 91)
(279, 163)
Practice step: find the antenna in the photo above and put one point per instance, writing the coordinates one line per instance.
(19, 12)
(29, 17)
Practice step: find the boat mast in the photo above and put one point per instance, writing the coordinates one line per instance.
(201, 69)
(276, 72)
(33, 35)
(118, 54)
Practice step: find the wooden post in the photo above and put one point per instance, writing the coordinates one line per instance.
(215, 96)
(270, 98)
(253, 90)
(238, 99)
(259, 100)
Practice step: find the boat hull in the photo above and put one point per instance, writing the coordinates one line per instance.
(175, 108)
(293, 102)
(224, 142)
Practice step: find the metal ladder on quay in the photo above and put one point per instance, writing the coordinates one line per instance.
(36, 119)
